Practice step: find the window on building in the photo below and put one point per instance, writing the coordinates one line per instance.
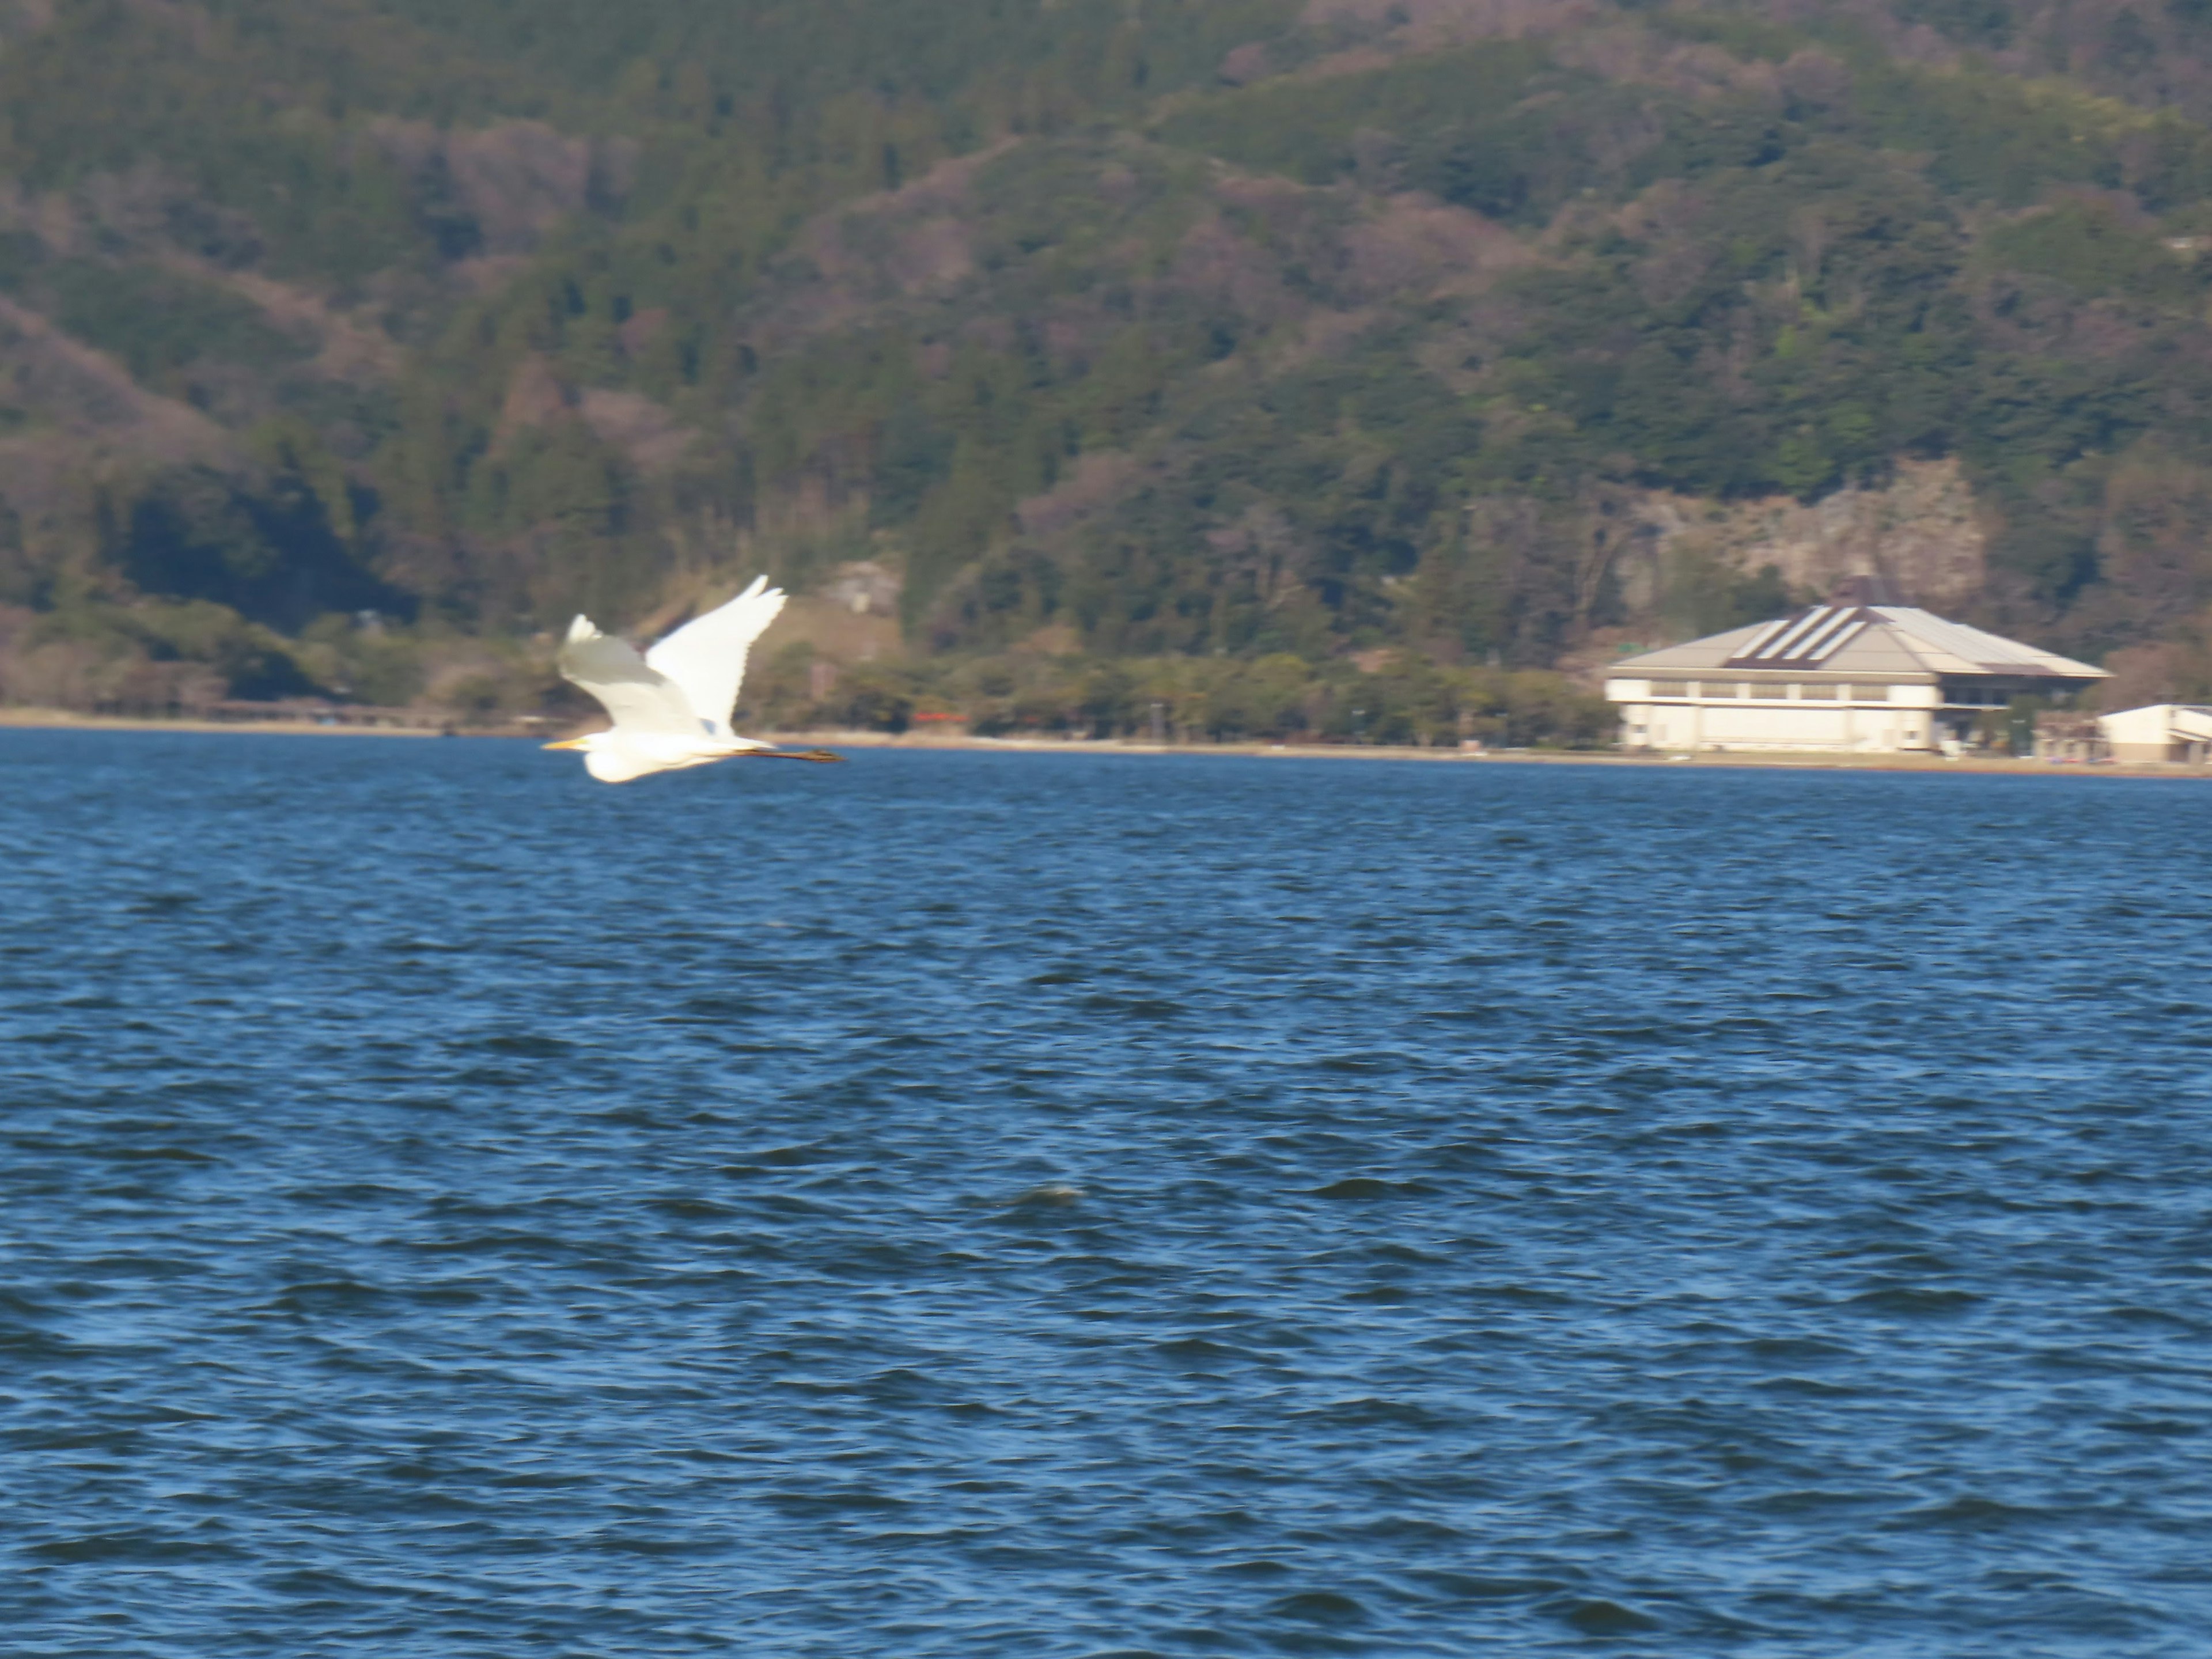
(1869, 694)
(1671, 689)
(1818, 693)
(1721, 688)
(1770, 693)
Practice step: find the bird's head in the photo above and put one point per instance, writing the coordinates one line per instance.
(588, 741)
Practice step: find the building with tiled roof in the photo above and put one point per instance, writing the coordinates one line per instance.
(1856, 675)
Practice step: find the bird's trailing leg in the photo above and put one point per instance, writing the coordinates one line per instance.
(790, 754)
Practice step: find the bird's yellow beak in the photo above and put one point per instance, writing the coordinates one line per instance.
(568, 743)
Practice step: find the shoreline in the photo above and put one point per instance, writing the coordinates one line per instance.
(65, 719)
(27, 719)
(1773, 760)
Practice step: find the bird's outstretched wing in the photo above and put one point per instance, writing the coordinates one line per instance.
(640, 698)
(707, 656)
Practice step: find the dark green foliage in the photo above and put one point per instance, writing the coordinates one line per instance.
(807, 51)
(20, 581)
(19, 256)
(158, 324)
(2089, 247)
(1277, 697)
(369, 665)
(270, 553)
(1464, 110)
(1972, 22)
(242, 660)
(1840, 281)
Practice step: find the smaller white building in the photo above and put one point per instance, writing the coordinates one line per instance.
(1853, 676)
(2163, 732)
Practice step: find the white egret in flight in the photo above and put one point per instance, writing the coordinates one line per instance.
(671, 707)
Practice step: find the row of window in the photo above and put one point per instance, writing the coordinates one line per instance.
(1639, 734)
(1770, 693)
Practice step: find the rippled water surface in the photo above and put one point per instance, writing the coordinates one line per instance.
(987, 1203)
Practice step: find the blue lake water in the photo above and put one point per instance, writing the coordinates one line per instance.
(978, 1204)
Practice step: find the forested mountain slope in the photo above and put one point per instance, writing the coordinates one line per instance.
(1482, 332)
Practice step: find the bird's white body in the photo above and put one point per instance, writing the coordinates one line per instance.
(619, 756)
(671, 707)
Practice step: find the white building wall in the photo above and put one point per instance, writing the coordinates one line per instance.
(2138, 727)
(2162, 732)
(1783, 720)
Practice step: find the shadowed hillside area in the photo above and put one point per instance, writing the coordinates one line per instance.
(1221, 367)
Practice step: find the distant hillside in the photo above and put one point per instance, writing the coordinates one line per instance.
(1347, 333)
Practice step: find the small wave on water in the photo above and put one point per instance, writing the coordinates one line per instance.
(967, 1205)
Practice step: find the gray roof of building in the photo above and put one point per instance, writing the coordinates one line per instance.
(1862, 639)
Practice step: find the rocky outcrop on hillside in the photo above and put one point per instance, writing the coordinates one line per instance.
(1920, 530)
